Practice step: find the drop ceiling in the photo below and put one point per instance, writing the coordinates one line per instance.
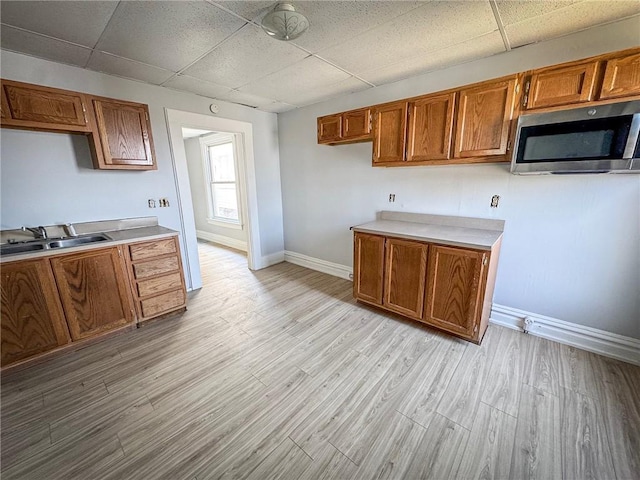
(218, 49)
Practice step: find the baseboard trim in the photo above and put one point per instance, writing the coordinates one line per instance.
(222, 240)
(323, 266)
(591, 339)
(272, 259)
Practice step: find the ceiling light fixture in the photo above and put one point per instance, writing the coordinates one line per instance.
(284, 23)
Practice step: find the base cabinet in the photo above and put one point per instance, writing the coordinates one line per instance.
(443, 286)
(32, 318)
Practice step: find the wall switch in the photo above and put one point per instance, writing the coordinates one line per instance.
(152, 203)
(392, 197)
(494, 201)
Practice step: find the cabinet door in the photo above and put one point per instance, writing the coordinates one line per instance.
(389, 133)
(33, 106)
(124, 134)
(32, 318)
(368, 267)
(453, 289)
(484, 114)
(356, 124)
(621, 77)
(562, 86)
(430, 128)
(94, 291)
(330, 128)
(405, 276)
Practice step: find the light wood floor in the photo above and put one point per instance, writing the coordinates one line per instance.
(279, 374)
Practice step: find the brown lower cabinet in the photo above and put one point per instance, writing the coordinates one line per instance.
(53, 302)
(450, 288)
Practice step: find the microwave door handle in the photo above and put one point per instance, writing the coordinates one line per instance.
(632, 139)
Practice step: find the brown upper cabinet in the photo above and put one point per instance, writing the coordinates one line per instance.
(41, 108)
(483, 118)
(119, 132)
(125, 135)
(562, 85)
(346, 127)
(389, 133)
(430, 128)
(621, 77)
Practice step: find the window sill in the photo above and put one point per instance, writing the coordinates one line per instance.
(224, 223)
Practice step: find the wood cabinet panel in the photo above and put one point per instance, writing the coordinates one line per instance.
(389, 133)
(356, 123)
(124, 135)
(155, 267)
(32, 317)
(430, 128)
(405, 276)
(4, 105)
(157, 285)
(330, 128)
(94, 291)
(48, 108)
(156, 248)
(368, 263)
(159, 304)
(453, 290)
(621, 77)
(483, 119)
(550, 87)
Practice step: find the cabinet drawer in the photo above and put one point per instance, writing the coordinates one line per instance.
(159, 284)
(162, 303)
(155, 267)
(152, 249)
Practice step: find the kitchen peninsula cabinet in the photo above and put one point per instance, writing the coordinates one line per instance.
(483, 118)
(621, 77)
(429, 268)
(32, 318)
(346, 127)
(93, 291)
(118, 132)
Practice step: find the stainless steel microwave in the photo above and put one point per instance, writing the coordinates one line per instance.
(599, 139)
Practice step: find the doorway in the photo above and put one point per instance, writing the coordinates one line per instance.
(241, 136)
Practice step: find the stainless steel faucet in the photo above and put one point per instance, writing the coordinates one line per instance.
(38, 232)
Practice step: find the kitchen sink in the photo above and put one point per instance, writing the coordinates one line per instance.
(47, 244)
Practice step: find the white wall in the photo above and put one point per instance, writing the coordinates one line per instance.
(571, 246)
(199, 194)
(47, 178)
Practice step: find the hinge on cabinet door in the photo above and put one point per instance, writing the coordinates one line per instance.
(370, 122)
(484, 260)
(146, 115)
(508, 145)
(525, 97)
(84, 114)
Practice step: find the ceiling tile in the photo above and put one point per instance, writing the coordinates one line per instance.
(252, 10)
(103, 62)
(78, 22)
(200, 87)
(571, 19)
(436, 25)
(324, 92)
(297, 79)
(248, 55)
(332, 22)
(43, 47)
(169, 34)
(246, 99)
(278, 107)
(513, 12)
(480, 47)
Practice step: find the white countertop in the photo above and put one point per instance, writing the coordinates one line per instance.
(461, 236)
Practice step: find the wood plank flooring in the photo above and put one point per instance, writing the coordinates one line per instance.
(279, 374)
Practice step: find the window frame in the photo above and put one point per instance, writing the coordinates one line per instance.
(212, 141)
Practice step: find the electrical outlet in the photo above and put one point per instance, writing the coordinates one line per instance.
(494, 201)
(392, 197)
(152, 203)
(163, 202)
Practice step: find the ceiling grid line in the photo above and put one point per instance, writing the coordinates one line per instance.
(503, 33)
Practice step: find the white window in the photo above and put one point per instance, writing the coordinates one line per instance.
(221, 177)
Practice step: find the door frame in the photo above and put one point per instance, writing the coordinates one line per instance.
(243, 131)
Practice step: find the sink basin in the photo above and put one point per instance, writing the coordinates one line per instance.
(38, 245)
(20, 248)
(75, 241)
